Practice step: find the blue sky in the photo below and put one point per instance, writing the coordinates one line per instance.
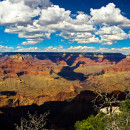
(65, 25)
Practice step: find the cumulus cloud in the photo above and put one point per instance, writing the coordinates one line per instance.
(110, 34)
(5, 48)
(34, 3)
(35, 20)
(80, 37)
(70, 49)
(34, 38)
(31, 49)
(53, 15)
(125, 24)
(124, 50)
(13, 13)
(108, 15)
(33, 34)
(54, 19)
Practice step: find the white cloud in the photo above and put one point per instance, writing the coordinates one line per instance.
(51, 18)
(28, 36)
(34, 3)
(33, 38)
(30, 42)
(82, 17)
(108, 15)
(70, 49)
(13, 13)
(125, 24)
(80, 49)
(80, 37)
(110, 34)
(124, 50)
(53, 15)
(5, 48)
(31, 49)
(33, 34)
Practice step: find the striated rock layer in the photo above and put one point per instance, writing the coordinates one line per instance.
(41, 77)
(35, 63)
(62, 83)
(123, 65)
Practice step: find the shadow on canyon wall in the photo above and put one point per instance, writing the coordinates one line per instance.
(63, 114)
(68, 73)
(69, 58)
(8, 93)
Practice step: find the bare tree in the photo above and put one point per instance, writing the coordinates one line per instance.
(116, 121)
(34, 122)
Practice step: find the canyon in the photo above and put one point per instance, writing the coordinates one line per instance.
(41, 77)
(63, 80)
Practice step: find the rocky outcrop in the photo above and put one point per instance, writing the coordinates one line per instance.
(128, 56)
(23, 100)
(58, 87)
(99, 59)
(65, 58)
(123, 65)
(24, 64)
(46, 64)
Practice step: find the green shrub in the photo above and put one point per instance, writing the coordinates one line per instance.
(103, 121)
(125, 106)
(83, 125)
(121, 121)
(98, 122)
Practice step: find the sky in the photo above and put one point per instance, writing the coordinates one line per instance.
(65, 26)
